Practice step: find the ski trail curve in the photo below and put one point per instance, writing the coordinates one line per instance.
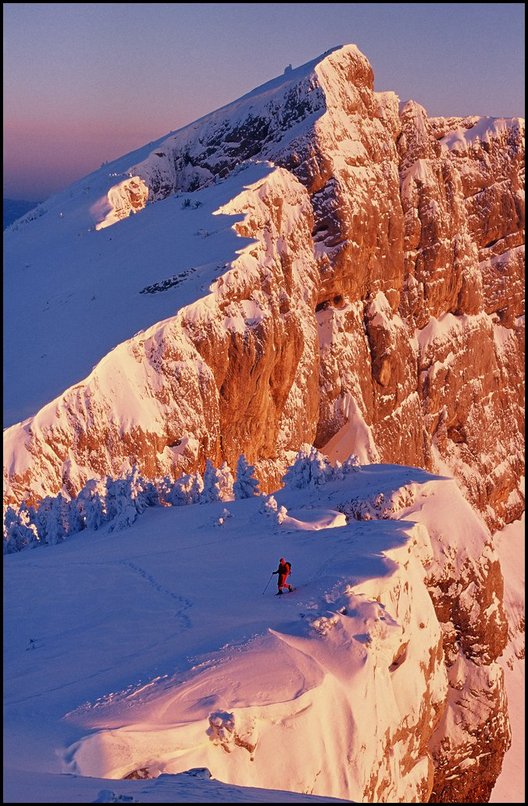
(182, 602)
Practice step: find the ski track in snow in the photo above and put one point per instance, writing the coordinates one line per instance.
(181, 600)
(61, 687)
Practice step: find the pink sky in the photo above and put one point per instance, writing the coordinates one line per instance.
(87, 82)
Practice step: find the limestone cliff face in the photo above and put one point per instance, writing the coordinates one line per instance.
(235, 372)
(466, 588)
(464, 236)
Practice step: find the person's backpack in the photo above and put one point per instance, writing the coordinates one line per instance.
(288, 566)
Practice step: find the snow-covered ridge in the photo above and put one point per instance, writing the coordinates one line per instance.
(263, 124)
(126, 392)
(243, 683)
(391, 212)
(480, 130)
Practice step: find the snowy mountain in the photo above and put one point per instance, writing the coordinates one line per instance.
(15, 208)
(379, 296)
(162, 648)
(313, 264)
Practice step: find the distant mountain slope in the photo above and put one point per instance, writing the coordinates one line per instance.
(103, 287)
(15, 208)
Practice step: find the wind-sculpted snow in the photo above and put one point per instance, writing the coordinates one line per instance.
(246, 692)
(341, 684)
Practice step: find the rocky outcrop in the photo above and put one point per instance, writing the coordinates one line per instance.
(234, 372)
(124, 199)
(466, 587)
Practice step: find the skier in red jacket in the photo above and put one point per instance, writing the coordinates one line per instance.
(284, 570)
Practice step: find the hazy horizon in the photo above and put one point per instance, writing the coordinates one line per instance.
(87, 83)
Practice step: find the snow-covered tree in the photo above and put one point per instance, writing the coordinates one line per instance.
(281, 514)
(150, 493)
(27, 512)
(211, 484)
(19, 530)
(311, 468)
(226, 483)
(270, 506)
(57, 522)
(82, 501)
(195, 487)
(218, 483)
(177, 493)
(143, 493)
(91, 503)
(9, 525)
(10, 517)
(73, 519)
(338, 470)
(163, 488)
(222, 517)
(42, 516)
(120, 503)
(351, 465)
(246, 485)
(124, 518)
(95, 512)
(273, 511)
(186, 490)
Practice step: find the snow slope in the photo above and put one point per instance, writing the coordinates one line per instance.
(103, 287)
(194, 786)
(155, 649)
(82, 277)
(13, 209)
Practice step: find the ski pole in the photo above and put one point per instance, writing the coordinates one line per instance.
(267, 583)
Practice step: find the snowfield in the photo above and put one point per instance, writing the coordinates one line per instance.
(119, 281)
(194, 786)
(159, 649)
